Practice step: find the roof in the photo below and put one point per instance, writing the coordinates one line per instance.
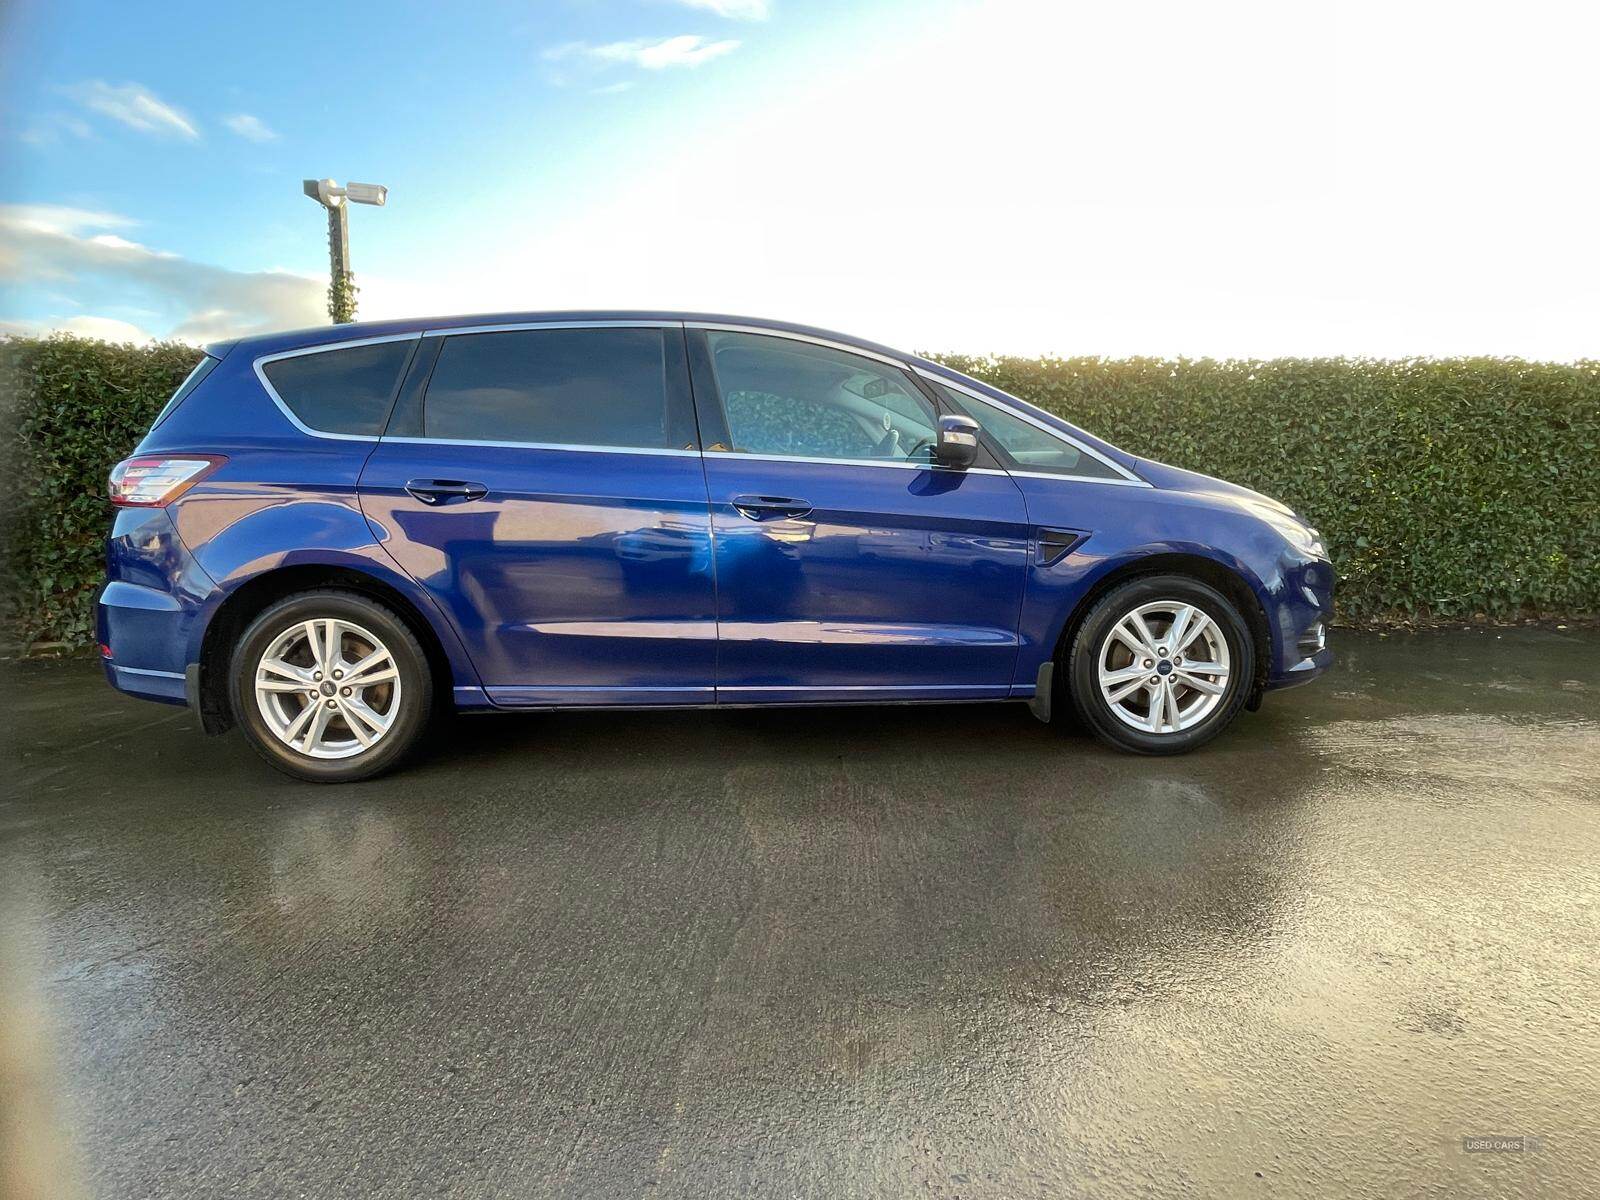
(322, 335)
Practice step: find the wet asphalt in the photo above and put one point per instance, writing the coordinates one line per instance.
(910, 951)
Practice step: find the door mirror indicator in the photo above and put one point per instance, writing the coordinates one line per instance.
(958, 441)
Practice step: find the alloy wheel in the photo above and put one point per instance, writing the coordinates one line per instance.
(1163, 667)
(328, 688)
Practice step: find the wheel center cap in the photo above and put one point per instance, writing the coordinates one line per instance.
(1164, 667)
(327, 688)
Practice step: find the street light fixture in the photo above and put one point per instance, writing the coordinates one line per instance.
(337, 200)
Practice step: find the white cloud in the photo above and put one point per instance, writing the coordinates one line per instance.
(58, 218)
(48, 129)
(107, 329)
(1146, 201)
(134, 106)
(738, 10)
(685, 50)
(252, 129)
(611, 89)
(121, 243)
(47, 242)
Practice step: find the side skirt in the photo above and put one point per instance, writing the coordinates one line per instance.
(510, 710)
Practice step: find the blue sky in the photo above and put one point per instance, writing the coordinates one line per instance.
(1236, 179)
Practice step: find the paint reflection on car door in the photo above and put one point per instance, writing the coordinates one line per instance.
(849, 566)
(577, 563)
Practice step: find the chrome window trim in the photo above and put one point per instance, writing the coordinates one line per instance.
(451, 331)
(329, 347)
(852, 462)
(523, 326)
(1128, 478)
(430, 441)
(1133, 483)
(326, 348)
(828, 343)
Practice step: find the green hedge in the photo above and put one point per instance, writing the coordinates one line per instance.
(73, 408)
(1444, 488)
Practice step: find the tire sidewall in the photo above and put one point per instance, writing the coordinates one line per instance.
(1083, 669)
(416, 691)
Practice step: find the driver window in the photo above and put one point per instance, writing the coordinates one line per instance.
(1027, 447)
(802, 400)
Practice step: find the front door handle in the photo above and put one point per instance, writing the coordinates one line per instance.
(770, 508)
(445, 491)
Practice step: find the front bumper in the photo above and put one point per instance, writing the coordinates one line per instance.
(1303, 671)
(1301, 612)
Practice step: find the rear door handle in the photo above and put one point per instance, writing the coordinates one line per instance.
(445, 491)
(770, 508)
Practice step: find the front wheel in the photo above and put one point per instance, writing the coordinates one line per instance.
(330, 686)
(1161, 665)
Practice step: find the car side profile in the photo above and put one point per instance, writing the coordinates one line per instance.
(328, 536)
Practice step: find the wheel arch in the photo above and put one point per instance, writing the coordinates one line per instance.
(1231, 581)
(248, 599)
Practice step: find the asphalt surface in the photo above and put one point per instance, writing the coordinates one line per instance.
(913, 951)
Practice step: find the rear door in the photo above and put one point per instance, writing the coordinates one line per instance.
(849, 565)
(544, 484)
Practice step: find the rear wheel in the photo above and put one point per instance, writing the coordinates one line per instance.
(1161, 665)
(330, 686)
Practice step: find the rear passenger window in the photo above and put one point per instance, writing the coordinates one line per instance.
(552, 387)
(342, 391)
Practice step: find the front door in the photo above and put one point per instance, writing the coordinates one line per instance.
(849, 566)
(544, 485)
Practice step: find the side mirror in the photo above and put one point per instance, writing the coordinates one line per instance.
(958, 441)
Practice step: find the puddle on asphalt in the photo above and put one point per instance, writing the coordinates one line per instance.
(1472, 749)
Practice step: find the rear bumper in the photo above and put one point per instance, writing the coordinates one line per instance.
(164, 686)
(148, 611)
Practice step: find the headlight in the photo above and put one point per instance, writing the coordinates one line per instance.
(1298, 534)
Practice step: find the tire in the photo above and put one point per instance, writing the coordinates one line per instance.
(1110, 690)
(369, 727)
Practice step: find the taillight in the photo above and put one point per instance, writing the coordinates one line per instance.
(154, 480)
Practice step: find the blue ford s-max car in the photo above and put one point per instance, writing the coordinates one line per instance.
(327, 536)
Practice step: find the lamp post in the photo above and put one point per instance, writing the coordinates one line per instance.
(337, 200)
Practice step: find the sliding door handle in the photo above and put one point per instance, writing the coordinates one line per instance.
(445, 491)
(770, 508)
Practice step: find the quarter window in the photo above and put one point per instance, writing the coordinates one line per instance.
(798, 399)
(342, 391)
(1028, 447)
(193, 380)
(555, 387)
